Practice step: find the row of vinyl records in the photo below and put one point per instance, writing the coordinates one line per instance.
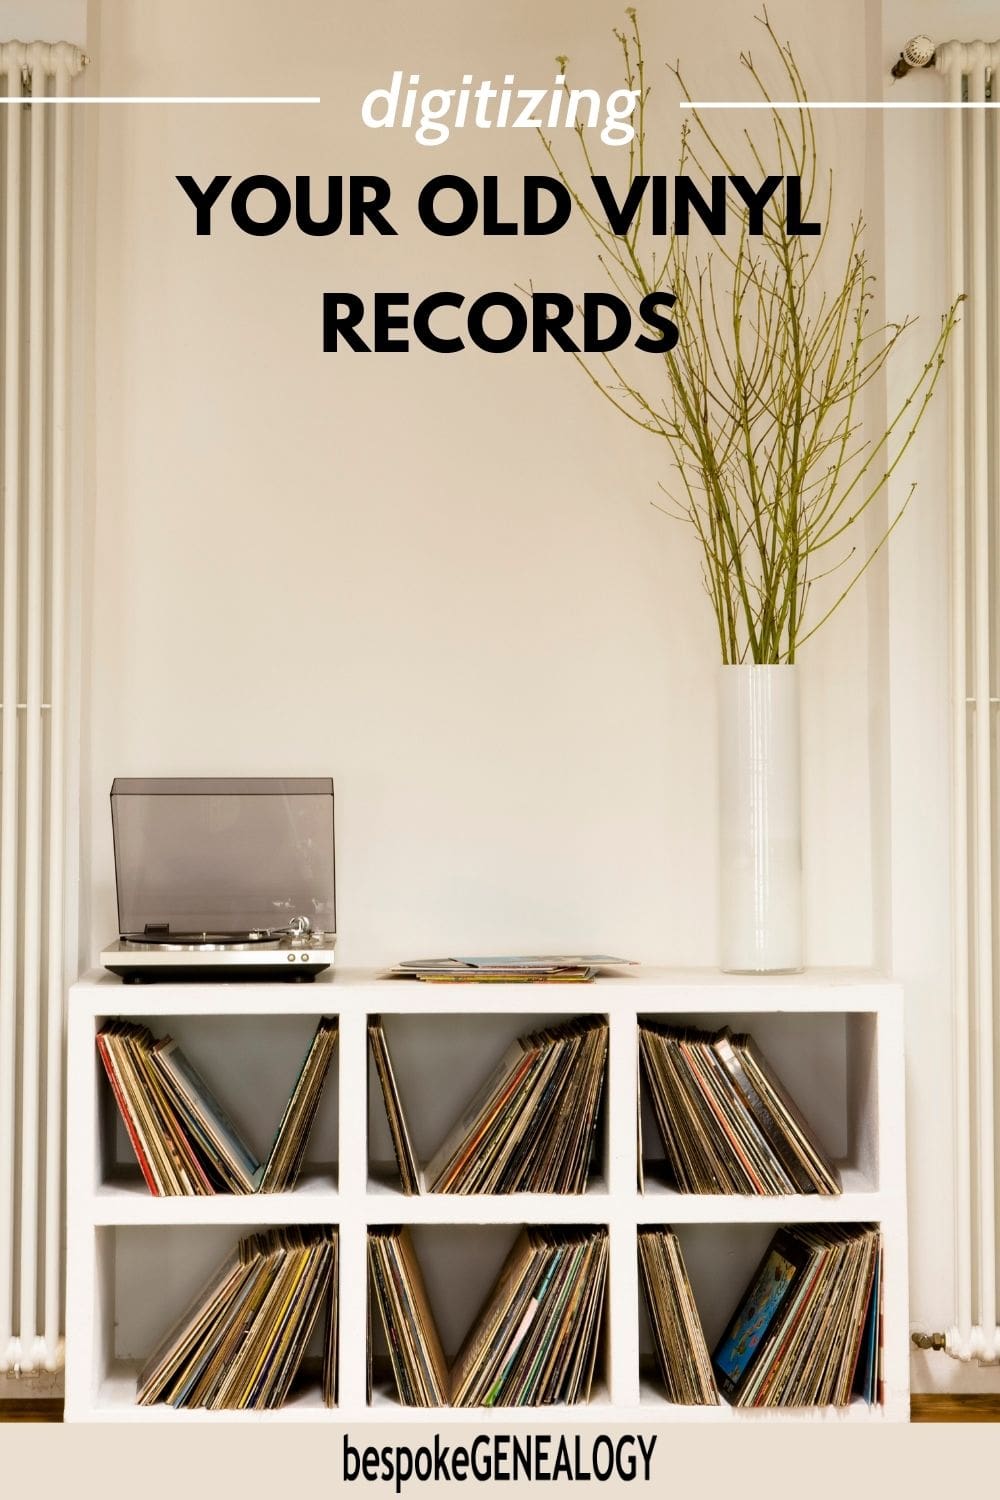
(806, 1331)
(184, 1141)
(727, 1122)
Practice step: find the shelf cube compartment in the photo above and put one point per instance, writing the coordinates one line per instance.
(439, 1063)
(720, 1260)
(251, 1064)
(828, 1062)
(146, 1278)
(460, 1264)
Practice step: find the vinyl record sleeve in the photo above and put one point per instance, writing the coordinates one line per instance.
(755, 1318)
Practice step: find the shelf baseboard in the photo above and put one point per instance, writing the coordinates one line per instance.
(116, 1403)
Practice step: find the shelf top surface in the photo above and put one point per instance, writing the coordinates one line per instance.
(125, 1200)
(644, 987)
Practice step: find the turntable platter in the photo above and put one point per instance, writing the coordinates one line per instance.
(202, 942)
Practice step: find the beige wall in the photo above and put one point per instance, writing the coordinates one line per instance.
(439, 579)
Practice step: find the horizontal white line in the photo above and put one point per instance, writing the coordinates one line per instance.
(812, 104)
(161, 99)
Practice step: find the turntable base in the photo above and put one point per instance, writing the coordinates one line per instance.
(215, 974)
(285, 960)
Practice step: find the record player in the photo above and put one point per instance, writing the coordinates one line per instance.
(223, 878)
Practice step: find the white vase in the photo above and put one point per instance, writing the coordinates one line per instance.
(760, 819)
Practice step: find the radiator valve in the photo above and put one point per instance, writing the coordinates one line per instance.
(930, 1340)
(918, 53)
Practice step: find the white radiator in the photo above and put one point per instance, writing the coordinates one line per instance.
(973, 217)
(35, 163)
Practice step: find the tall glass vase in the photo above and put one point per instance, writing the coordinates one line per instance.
(760, 814)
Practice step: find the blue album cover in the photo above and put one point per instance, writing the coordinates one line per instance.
(743, 1337)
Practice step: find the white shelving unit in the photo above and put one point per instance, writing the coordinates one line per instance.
(133, 1260)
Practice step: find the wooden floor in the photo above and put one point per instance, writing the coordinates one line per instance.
(31, 1411)
(955, 1408)
(922, 1409)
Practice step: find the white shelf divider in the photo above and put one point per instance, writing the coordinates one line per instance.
(107, 1200)
(353, 1064)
